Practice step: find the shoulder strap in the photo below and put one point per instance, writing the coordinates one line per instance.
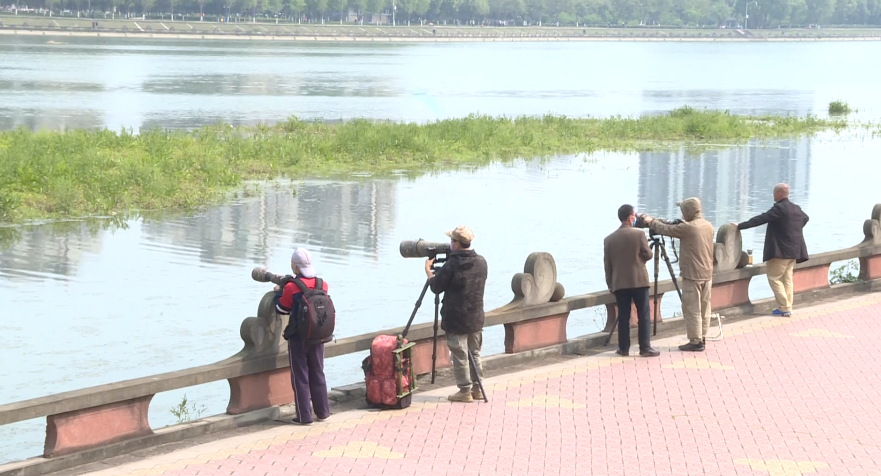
(300, 284)
(319, 284)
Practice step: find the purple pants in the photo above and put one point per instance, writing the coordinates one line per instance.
(307, 378)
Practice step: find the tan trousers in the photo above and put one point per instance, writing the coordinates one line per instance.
(780, 279)
(460, 345)
(696, 308)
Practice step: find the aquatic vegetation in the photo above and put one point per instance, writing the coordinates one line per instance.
(837, 108)
(50, 174)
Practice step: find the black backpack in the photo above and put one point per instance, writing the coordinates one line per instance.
(313, 317)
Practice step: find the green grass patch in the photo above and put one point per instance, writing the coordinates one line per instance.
(77, 173)
(838, 108)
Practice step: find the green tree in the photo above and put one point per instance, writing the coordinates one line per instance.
(558, 6)
(146, 5)
(317, 6)
(819, 11)
(358, 6)
(337, 5)
(718, 13)
(420, 8)
(534, 10)
(375, 6)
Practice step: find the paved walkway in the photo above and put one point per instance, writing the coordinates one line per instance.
(778, 396)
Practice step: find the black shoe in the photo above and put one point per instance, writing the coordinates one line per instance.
(623, 353)
(296, 421)
(649, 352)
(692, 347)
(703, 340)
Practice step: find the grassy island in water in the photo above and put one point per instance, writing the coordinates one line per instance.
(54, 174)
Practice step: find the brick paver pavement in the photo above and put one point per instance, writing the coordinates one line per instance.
(778, 396)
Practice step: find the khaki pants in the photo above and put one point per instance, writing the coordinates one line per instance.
(696, 308)
(459, 344)
(780, 279)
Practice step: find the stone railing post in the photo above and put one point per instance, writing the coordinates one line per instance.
(537, 284)
(728, 255)
(870, 266)
(263, 337)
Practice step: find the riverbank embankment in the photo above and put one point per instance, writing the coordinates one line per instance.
(208, 30)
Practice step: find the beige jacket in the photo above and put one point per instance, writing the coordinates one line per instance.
(696, 237)
(624, 255)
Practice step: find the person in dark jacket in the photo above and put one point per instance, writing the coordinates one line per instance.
(784, 245)
(625, 253)
(462, 279)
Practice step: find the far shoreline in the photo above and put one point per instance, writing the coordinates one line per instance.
(51, 33)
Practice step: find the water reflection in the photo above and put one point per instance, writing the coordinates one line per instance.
(41, 86)
(726, 180)
(190, 120)
(52, 119)
(338, 218)
(326, 84)
(51, 251)
(737, 100)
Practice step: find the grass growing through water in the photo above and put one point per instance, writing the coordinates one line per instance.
(837, 108)
(100, 172)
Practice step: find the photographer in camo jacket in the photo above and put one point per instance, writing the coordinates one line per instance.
(462, 279)
(696, 236)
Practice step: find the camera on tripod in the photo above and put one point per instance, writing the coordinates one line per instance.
(640, 223)
(659, 252)
(427, 249)
(424, 249)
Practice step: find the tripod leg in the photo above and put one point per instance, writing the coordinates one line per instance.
(434, 345)
(657, 272)
(670, 269)
(416, 308)
(477, 373)
(614, 326)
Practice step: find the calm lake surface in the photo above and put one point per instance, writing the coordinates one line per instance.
(85, 303)
(133, 83)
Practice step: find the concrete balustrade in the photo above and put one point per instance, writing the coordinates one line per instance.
(423, 350)
(90, 427)
(93, 423)
(261, 390)
(535, 333)
(612, 312)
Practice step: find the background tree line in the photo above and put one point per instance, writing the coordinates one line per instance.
(674, 13)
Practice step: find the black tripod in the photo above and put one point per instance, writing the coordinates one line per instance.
(434, 338)
(659, 250)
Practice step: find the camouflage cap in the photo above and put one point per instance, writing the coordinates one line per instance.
(462, 234)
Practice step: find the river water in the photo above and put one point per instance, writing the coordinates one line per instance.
(88, 303)
(132, 83)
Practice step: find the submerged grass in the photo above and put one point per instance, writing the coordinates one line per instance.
(837, 108)
(101, 172)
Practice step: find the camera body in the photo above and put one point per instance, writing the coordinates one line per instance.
(640, 223)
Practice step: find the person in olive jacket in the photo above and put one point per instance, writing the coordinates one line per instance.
(462, 279)
(784, 245)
